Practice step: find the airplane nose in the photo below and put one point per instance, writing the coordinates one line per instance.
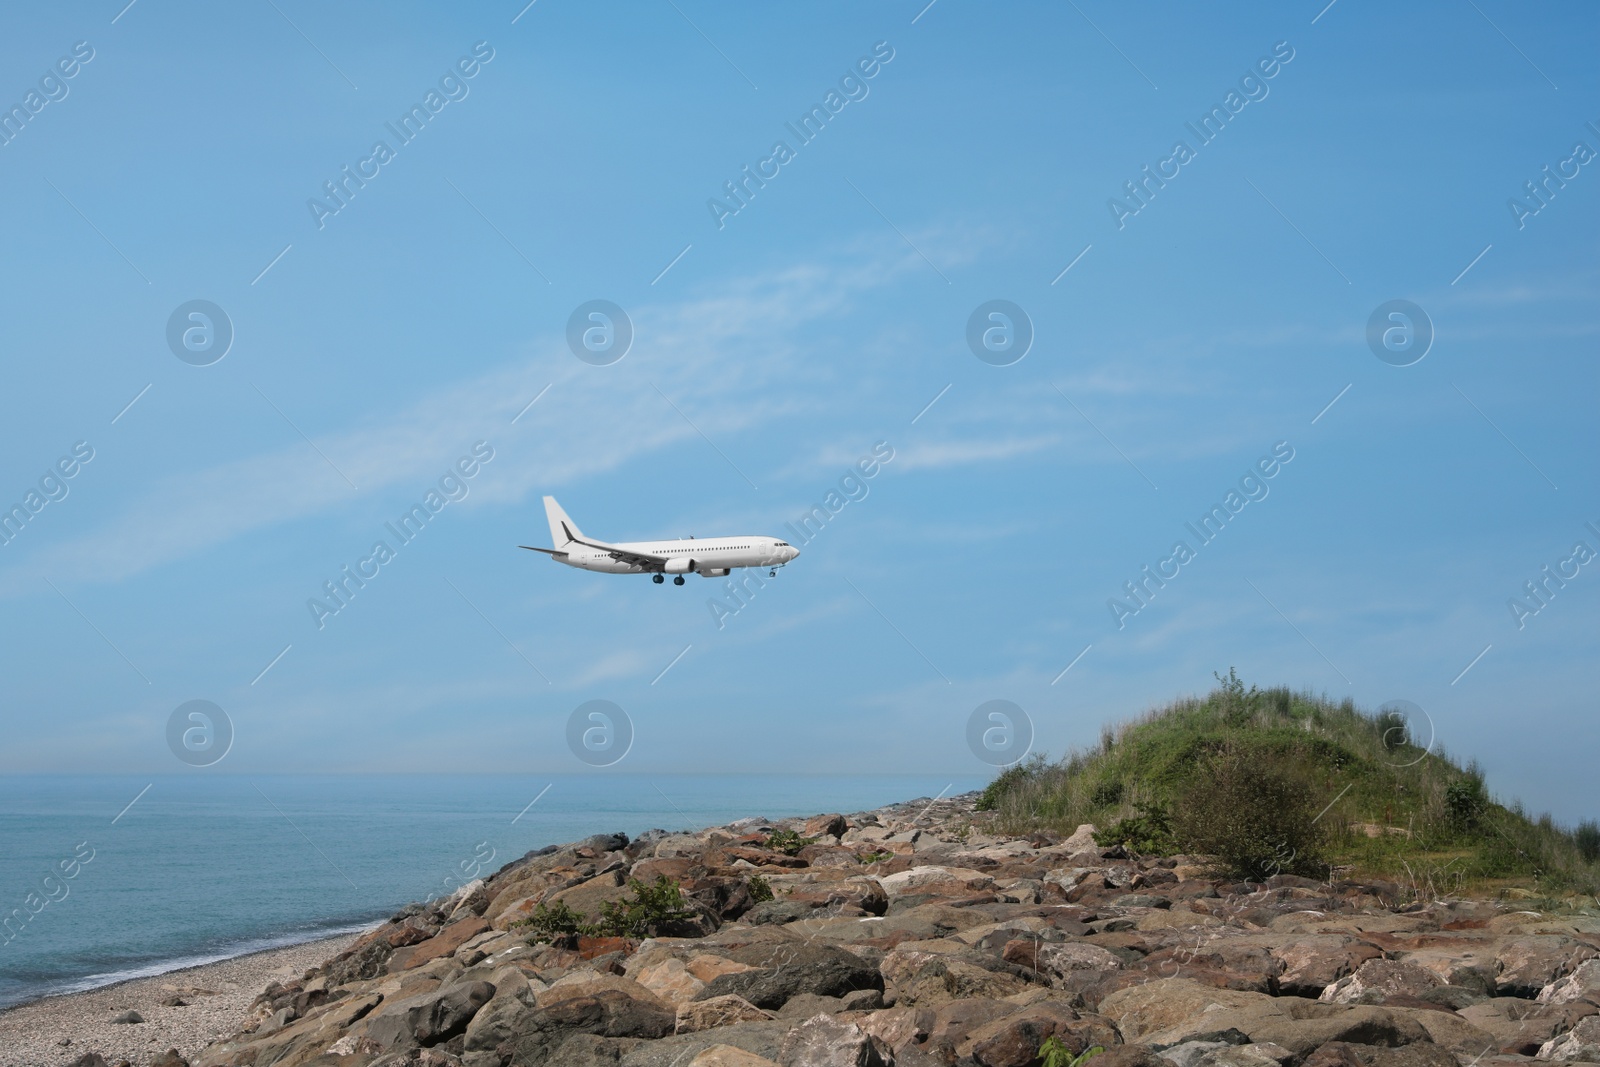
(793, 552)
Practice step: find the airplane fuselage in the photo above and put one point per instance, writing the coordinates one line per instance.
(702, 555)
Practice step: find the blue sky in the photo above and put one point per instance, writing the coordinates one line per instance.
(373, 347)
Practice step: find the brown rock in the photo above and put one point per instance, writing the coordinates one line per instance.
(826, 826)
(718, 1011)
(444, 943)
(729, 1056)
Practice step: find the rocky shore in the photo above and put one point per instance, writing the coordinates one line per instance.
(914, 936)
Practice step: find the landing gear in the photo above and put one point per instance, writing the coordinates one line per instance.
(657, 579)
(773, 573)
(677, 580)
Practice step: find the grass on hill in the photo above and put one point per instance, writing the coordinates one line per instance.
(1276, 781)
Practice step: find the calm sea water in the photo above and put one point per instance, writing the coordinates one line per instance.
(186, 870)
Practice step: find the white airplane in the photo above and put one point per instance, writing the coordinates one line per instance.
(709, 557)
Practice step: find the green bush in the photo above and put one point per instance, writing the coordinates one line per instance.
(652, 907)
(1149, 833)
(788, 842)
(1255, 811)
(760, 888)
(1587, 838)
(1054, 1053)
(1466, 800)
(646, 913)
(552, 923)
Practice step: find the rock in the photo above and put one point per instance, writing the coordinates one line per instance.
(1014, 1040)
(1528, 964)
(169, 1058)
(1252, 1054)
(823, 1041)
(90, 1059)
(717, 1011)
(129, 1016)
(1061, 960)
(1375, 980)
(1081, 842)
(779, 971)
(1312, 964)
(729, 1056)
(1582, 982)
(1351, 1054)
(444, 943)
(1581, 1043)
(826, 826)
(429, 1018)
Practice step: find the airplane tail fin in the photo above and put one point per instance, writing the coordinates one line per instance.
(562, 528)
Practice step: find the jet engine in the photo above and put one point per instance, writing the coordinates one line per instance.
(679, 566)
(715, 572)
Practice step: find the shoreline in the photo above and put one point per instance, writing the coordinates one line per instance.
(216, 998)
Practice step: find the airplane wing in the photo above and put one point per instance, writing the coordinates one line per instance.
(546, 551)
(638, 559)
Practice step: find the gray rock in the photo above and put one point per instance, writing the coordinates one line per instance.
(785, 970)
(760, 1039)
(824, 1041)
(429, 1018)
(129, 1016)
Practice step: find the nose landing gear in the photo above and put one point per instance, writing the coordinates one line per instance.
(657, 579)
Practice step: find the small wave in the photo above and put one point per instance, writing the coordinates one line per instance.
(232, 951)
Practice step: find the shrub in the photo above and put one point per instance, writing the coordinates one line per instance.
(1054, 1053)
(1149, 833)
(1255, 812)
(1587, 838)
(1392, 729)
(552, 923)
(760, 888)
(652, 908)
(788, 842)
(649, 911)
(1007, 779)
(1465, 799)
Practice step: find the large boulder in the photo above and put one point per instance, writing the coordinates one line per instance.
(717, 1011)
(824, 1041)
(778, 971)
(1581, 1043)
(1377, 980)
(429, 1018)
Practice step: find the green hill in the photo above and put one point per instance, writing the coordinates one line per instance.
(1272, 781)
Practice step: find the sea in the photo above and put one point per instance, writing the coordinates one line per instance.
(108, 878)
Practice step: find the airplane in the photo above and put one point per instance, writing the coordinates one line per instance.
(709, 557)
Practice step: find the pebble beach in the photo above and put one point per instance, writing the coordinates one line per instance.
(58, 1030)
